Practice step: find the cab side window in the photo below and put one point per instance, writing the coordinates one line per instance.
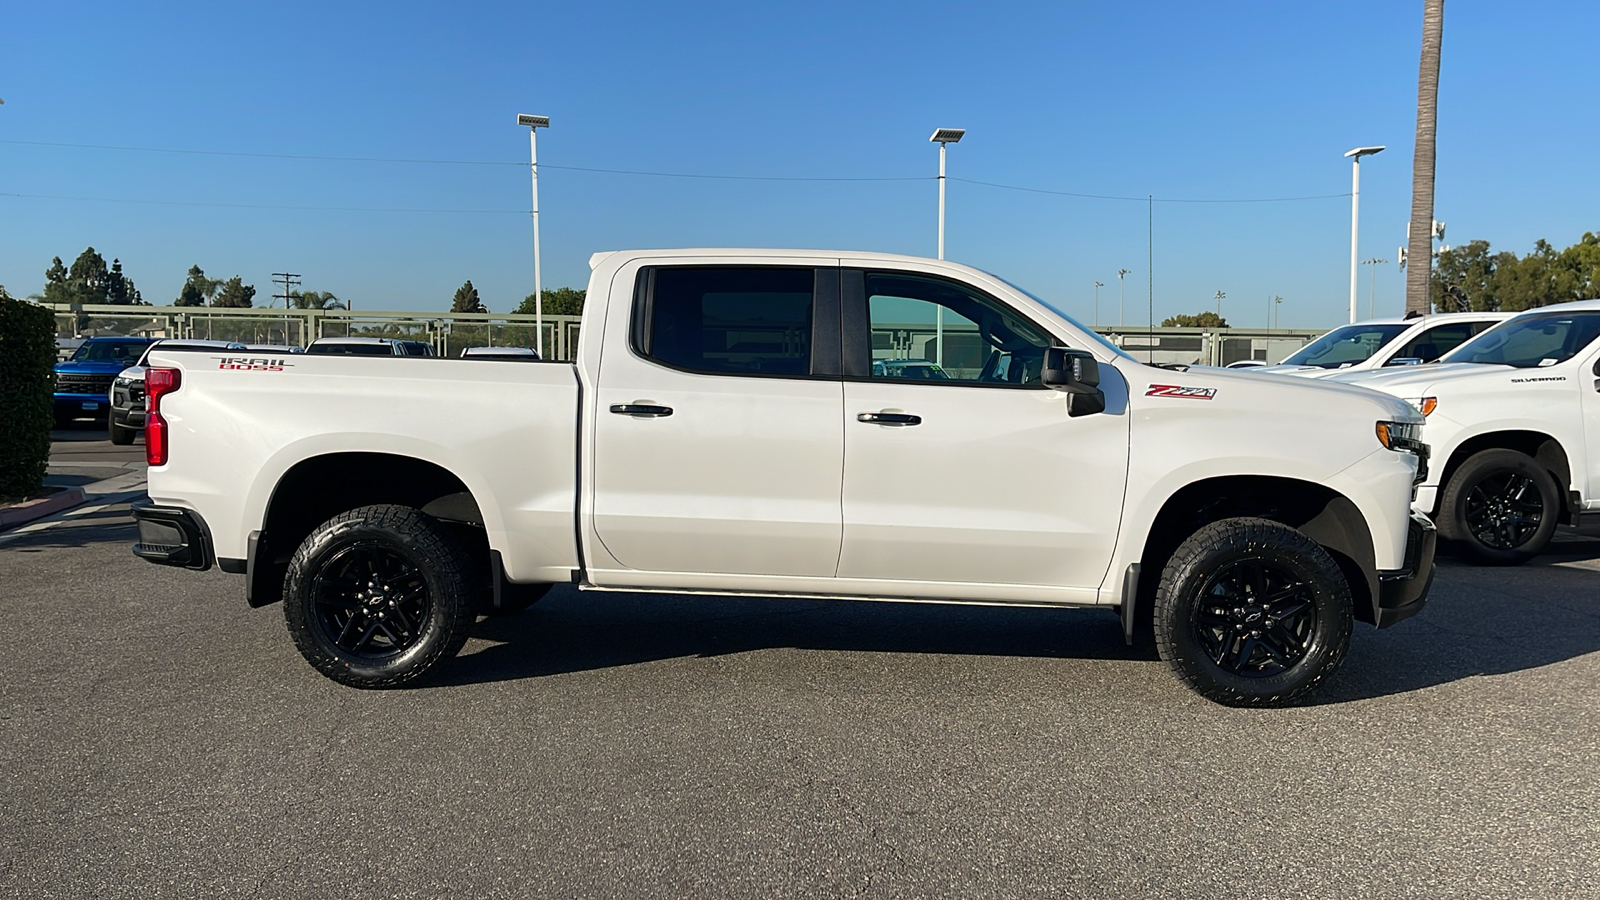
(929, 329)
(732, 320)
(1436, 342)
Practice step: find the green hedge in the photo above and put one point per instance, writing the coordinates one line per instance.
(27, 370)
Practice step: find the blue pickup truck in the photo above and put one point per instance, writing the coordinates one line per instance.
(83, 383)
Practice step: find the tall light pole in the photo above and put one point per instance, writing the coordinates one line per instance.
(943, 136)
(1276, 302)
(1218, 298)
(1097, 286)
(1372, 289)
(1122, 292)
(1355, 214)
(534, 123)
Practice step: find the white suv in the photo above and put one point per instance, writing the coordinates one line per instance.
(1378, 343)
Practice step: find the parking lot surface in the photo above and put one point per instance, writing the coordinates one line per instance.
(160, 739)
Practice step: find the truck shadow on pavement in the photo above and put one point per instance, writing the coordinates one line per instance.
(1479, 622)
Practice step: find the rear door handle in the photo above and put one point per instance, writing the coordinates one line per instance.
(646, 410)
(889, 419)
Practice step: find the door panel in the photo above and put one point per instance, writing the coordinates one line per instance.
(1589, 378)
(959, 466)
(743, 475)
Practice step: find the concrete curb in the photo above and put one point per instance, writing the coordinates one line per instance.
(23, 513)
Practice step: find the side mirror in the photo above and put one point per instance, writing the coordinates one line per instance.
(1077, 373)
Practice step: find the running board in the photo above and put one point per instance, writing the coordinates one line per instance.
(784, 595)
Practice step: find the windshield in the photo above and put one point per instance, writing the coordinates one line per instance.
(1092, 334)
(109, 351)
(1345, 346)
(1531, 342)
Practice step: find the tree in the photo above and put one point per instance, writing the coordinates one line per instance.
(563, 301)
(119, 287)
(235, 294)
(56, 289)
(467, 300)
(88, 277)
(1472, 277)
(1205, 319)
(198, 290)
(1419, 243)
(314, 300)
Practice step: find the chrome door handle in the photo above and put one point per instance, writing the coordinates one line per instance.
(645, 410)
(889, 419)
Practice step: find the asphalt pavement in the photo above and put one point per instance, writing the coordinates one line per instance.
(160, 739)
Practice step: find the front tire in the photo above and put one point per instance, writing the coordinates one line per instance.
(120, 435)
(378, 596)
(1250, 612)
(1500, 507)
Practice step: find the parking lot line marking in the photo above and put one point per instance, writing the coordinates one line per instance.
(100, 502)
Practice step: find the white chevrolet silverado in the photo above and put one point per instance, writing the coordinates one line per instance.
(1513, 419)
(751, 422)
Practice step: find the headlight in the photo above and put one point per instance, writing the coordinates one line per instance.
(1424, 405)
(1405, 437)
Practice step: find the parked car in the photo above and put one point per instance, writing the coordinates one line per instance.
(368, 346)
(1513, 418)
(518, 353)
(1378, 343)
(126, 402)
(83, 382)
(722, 432)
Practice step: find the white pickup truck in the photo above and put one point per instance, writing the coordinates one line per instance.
(1513, 418)
(730, 427)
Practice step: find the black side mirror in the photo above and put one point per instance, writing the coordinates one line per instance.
(1077, 373)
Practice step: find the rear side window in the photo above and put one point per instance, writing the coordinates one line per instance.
(729, 320)
(1436, 342)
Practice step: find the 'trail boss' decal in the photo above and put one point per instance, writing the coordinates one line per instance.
(251, 363)
(1173, 390)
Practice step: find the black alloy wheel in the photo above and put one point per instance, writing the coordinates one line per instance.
(1255, 618)
(379, 596)
(372, 601)
(1251, 612)
(1504, 510)
(1500, 507)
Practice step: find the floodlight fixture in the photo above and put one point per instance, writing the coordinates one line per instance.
(1363, 151)
(948, 135)
(535, 121)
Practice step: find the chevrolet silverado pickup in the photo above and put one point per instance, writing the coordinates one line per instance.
(1514, 419)
(767, 423)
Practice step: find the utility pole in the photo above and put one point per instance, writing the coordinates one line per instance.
(289, 281)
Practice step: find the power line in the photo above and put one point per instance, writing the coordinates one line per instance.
(1148, 199)
(384, 209)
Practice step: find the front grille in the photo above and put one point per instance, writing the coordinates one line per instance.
(75, 383)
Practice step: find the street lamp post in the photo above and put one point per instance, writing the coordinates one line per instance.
(1276, 302)
(1122, 292)
(1097, 286)
(534, 123)
(1355, 214)
(1372, 288)
(1219, 297)
(943, 136)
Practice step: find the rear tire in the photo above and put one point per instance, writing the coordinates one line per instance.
(378, 596)
(1250, 612)
(1500, 507)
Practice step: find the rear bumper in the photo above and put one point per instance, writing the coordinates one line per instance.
(1403, 592)
(172, 536)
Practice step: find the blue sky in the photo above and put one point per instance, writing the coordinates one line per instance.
(1175, 99)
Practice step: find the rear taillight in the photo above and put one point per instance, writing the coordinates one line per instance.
(157, 384)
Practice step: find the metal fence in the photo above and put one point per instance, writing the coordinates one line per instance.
(450, 333)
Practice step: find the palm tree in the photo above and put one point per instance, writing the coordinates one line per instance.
(1419, 243)
(315, 300)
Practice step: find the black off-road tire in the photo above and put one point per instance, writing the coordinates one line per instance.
(1494, 529)
(120, 435)
(416, 555)
(1250, 612)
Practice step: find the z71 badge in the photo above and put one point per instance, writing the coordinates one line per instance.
(1173, 390)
